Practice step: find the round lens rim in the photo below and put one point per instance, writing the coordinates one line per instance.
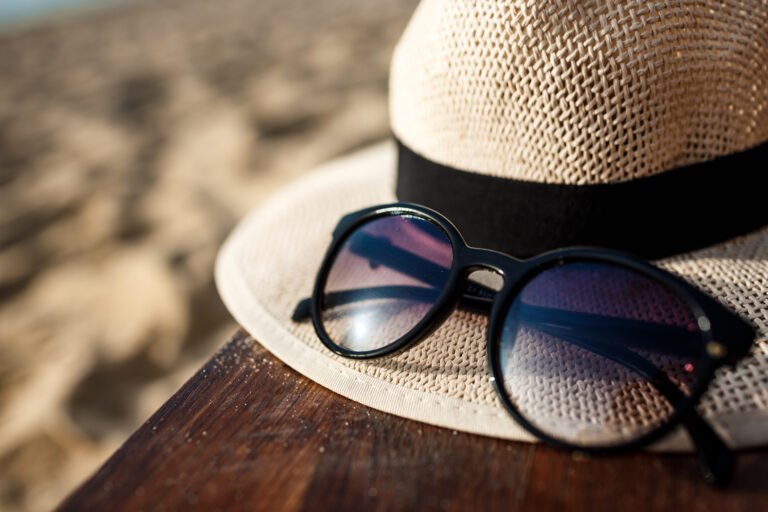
(443, 306)
(549, 260)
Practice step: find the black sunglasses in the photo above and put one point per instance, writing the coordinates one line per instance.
(589, 349)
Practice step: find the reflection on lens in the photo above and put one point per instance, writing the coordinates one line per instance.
(595, 354)
(386, 278)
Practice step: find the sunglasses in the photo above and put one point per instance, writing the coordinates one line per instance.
(589, 349)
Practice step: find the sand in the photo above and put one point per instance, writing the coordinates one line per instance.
(131, 141)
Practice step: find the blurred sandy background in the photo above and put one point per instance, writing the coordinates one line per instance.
(132, 138)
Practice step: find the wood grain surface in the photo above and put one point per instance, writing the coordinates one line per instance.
(248, 433)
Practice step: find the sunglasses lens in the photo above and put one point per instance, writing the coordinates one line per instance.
(385, 279)
(595, 354)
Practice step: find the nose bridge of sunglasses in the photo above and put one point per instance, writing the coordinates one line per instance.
(507, 267)
(480, 288)
(489, 279)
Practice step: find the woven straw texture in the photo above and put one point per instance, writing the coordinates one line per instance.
(581, 92)
(269, 264)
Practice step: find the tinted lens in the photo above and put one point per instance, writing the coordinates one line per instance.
(595, 354)
(384, 280)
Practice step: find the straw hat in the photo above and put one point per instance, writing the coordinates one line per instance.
(631, 124)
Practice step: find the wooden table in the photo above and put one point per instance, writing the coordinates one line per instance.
(248, 433)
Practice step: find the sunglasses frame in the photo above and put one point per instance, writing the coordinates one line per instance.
(726, 336)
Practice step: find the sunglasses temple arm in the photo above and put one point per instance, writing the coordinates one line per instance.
(303, 309)
(380, 251)
(716, 458)
(479, 298)
(665, 339)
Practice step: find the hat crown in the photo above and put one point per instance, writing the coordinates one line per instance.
(580, 92)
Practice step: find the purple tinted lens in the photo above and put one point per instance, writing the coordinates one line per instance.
(595, 354)
(384, 280)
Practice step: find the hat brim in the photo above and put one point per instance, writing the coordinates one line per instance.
(269, 263)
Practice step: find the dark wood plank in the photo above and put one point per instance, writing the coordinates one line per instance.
(248, 433)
